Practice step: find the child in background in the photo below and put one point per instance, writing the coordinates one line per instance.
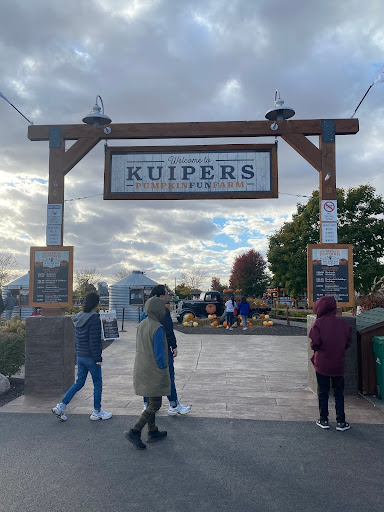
(330, 337)
(243, 311)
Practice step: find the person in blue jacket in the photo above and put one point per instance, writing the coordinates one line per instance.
(88, 354)
(243, 308)
(175, 407)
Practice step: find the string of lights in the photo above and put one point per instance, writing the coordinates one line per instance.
(96, 195)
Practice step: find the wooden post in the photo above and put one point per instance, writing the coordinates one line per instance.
(327, 174)
(287, 312)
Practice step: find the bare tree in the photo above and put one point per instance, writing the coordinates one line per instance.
(123, 272)
(87, 275)
(7, 263)
(194, 277)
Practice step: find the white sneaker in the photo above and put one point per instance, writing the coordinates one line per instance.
(179, 409)
(245, 328)
(100, 415)
(230, 329)
(227, 327)
(60, 413)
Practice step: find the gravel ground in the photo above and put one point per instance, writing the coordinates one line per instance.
(17, 389)
(273, 330)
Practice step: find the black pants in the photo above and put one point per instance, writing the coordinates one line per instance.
(323, 387)
(148, 416)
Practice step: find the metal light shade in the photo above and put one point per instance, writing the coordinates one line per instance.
(96, 117)
(279, 112)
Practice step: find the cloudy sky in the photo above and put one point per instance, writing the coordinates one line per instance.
(171, 61)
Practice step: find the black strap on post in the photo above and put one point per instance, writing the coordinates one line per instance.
(122, 323)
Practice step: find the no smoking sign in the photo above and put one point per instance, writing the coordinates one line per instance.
(329, 210)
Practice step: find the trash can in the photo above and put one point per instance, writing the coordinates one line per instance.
(378, 350)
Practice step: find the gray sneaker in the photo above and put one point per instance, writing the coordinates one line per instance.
(179, 409)
(100, 415)
(341, 426)
(322, 423)
(60, 413)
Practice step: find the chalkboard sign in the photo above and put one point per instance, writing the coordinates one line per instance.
(51, 276)
(23, 299)
(109, 326)
(330, 272)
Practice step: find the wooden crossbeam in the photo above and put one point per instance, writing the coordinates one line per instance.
(198, 130)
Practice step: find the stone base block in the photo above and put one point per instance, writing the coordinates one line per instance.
(351, 371)
(49, 354)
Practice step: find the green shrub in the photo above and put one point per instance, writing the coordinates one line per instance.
(72, 310)
(12, 352)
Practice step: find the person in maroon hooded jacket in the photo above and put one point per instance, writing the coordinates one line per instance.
(330, 337)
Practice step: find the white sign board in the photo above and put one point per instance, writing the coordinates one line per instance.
(188, 173)
(329, 210)
(53, 234)
(109, 328)
(329, 232)
(54, 214)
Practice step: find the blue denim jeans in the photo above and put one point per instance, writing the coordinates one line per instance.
(229, 318)
(85, 365)
(173, 396)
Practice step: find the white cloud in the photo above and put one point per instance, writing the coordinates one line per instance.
(162, 61)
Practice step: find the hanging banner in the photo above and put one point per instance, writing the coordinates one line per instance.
(237, 171)
(330, 272)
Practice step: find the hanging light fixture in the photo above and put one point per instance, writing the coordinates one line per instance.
(96, 117)
(279, 112)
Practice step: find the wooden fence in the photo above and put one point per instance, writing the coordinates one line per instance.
(286, 309)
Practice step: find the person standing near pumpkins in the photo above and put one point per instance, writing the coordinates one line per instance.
(150, 373)
(243, 311)
(230, 307)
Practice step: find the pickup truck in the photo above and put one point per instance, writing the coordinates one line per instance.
(210, 303)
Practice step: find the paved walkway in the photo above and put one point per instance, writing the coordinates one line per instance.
(249, 444)
(248, 377)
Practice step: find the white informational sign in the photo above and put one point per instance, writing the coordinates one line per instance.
(53, 234)
(109, 325)
(329, 232)
(191, 172)
(329, 210)
(54, 214)
(330, 257)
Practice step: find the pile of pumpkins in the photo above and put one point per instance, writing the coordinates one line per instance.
(266, 321)
(188, 320)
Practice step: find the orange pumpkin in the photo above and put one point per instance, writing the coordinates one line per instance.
(262, 315)
(230, 290)
(191, 316)
(210, 309)
(215, 323)
(238, 291)
(225, 291)
(224, 324)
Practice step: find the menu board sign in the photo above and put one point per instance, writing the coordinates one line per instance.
(51, 277)
(109, 325)
(330, 272)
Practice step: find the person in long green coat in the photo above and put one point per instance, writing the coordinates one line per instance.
(150, 373)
